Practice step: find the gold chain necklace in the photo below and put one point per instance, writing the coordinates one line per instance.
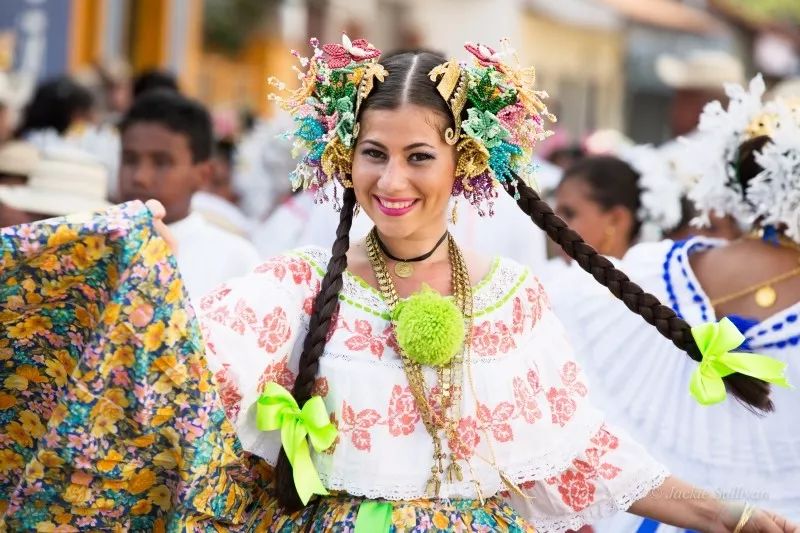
(764, 293)
(450, 376)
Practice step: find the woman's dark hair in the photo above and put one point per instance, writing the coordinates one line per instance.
(178, 114)
(613, 182)
(747, 167)
(154, 80)
(55, 105)
(408, 82)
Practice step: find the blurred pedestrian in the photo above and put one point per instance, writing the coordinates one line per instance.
(166, 155)
(608, 202)
(152, 80)
(217, 200)
(748, 168)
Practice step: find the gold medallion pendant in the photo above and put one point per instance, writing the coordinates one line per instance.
(766, 296)
(403, 269)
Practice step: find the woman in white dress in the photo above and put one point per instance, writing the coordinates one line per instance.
(749, 161)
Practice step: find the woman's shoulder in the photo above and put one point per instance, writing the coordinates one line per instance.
(294, 275)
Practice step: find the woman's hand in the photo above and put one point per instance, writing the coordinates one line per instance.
(759, 522)
(158, 211)
(679, 504)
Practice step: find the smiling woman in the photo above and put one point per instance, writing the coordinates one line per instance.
(446, 400)
(505, 419)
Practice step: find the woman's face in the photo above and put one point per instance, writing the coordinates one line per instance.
(403, 170)
(606, 230)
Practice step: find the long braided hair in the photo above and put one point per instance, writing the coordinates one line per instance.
(408, 82)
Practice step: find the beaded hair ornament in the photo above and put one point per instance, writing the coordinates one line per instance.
(772, 197)
(497, 116)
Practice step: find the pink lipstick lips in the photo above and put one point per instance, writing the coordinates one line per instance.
(395, 207)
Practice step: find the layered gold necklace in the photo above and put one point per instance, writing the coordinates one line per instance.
(440, 408)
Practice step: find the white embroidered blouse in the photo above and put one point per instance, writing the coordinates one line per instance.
(524, 398)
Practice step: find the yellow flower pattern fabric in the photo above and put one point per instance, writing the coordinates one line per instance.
(109, 417)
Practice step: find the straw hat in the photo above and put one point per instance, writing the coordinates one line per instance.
(65, 181)
(18, 158)
(701, 69)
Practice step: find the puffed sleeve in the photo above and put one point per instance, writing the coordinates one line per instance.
(254, 327)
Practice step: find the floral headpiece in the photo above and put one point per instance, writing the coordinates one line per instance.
(336, 79)
(775, 192)
(504, 116)
(773, 197)
(505, 120)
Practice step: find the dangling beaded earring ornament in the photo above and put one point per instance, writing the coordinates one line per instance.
(454, 213)
(357, 210)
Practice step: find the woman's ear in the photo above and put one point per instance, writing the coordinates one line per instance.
(621, 219)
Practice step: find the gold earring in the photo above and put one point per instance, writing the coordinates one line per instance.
(356, 210)
(454, 213)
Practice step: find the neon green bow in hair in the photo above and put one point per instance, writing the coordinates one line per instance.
(716, 340)
(277, 409)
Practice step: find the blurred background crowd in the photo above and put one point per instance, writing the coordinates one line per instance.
(620, 73)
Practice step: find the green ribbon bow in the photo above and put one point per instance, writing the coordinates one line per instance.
(277, 409)
(716, 340)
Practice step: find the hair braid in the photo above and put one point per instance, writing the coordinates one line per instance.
(325, 304)
(753, 392)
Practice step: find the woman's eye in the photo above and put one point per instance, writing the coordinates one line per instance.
(420, 156)
(371, 152)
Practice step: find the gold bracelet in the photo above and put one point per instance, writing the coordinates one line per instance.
(745, 518)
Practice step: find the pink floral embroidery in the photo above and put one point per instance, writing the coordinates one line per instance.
(533, 381)
(334, 324)
(275, 330)
(275, 266)
(484, 340)
(308, 303)
(518, 316)
(244, 315)
(219, 315)
(466, 438)
(506, 338)
(362, 338)
(214, 296)
(320, 387)
(576, 491)
(562, 406)
(539, 295)
(358, 426)
(301, 271)
(403, 415)
(278, 372)
(496, 420)
(228, 392)
(569, 377)
(576, 484)
(526, 402)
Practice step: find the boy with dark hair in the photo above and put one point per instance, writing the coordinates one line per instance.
(154, 80)
(166, 155)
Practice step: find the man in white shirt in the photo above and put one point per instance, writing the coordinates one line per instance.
(166, 155)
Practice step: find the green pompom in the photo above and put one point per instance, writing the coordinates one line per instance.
(429, 327)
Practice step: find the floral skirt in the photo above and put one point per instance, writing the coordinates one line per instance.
(338, 513)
